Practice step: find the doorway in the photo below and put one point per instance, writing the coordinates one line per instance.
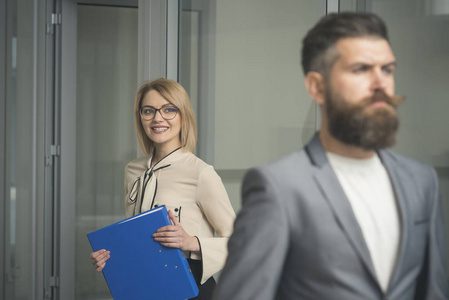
(106, 76)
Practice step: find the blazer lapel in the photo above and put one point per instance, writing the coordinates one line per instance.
(399, 180)
(333, 193)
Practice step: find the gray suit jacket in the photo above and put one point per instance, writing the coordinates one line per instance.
(296, 236)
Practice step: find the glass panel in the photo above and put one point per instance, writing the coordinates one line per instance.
(240, 62)
(418, 33)
(19, 152)
(27, 236)
(106, 87)
(348, 5)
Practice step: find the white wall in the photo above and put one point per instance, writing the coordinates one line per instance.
(262, 110)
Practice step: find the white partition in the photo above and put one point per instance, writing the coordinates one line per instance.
(252, 103)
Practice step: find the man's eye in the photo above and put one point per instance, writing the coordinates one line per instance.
(360, 69)
(388, 70)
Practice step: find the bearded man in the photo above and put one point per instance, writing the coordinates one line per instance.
(345, 217)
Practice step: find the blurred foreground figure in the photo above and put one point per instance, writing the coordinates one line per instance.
(344, 218)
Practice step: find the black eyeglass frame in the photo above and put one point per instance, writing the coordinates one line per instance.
(160, 112)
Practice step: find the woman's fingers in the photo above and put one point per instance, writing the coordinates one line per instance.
(166, 229)
(95, 254)
(172, 243)
(170, 236)
(175, 236)
(168, 233)
(99, 258)
(173, 218)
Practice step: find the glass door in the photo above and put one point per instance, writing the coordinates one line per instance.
(28, 162)
(106, 76)
(108, 48)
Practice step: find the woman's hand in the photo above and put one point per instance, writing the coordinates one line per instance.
(174, 236)
(99, 259)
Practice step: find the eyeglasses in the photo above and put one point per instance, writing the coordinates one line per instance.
(167, 112)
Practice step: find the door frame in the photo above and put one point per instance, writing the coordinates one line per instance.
(2, 139)
(156, 21)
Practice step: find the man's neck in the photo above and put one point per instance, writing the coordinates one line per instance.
(331, 144)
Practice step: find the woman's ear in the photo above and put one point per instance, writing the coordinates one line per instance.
(314, 83)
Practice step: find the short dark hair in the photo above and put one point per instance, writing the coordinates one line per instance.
(325, 34)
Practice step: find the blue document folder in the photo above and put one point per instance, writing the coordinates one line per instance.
(139, 267)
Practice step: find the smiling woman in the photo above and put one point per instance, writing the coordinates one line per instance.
(171, 175)
(162, 128)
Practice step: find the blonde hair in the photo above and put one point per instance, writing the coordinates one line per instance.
(176, 95)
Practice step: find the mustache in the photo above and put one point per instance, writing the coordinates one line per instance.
(380, 96)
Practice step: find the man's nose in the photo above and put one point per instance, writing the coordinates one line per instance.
(380, 80)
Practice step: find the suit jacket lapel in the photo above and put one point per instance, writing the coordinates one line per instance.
(333, 193)
(399, 180)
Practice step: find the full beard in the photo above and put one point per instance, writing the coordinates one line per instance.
(370, 128)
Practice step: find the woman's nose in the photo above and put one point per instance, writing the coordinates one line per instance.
(158, 116)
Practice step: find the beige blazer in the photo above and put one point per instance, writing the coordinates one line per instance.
(194, 192)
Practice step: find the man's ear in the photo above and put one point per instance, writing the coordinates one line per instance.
(314, 83)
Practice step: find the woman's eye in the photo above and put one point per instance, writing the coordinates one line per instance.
(148, 111)
(171, 109)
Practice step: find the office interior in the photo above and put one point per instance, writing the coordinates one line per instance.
(69, 71)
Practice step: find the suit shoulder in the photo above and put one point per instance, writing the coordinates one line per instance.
(295, 161)
(294, 167)
(404, 162)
